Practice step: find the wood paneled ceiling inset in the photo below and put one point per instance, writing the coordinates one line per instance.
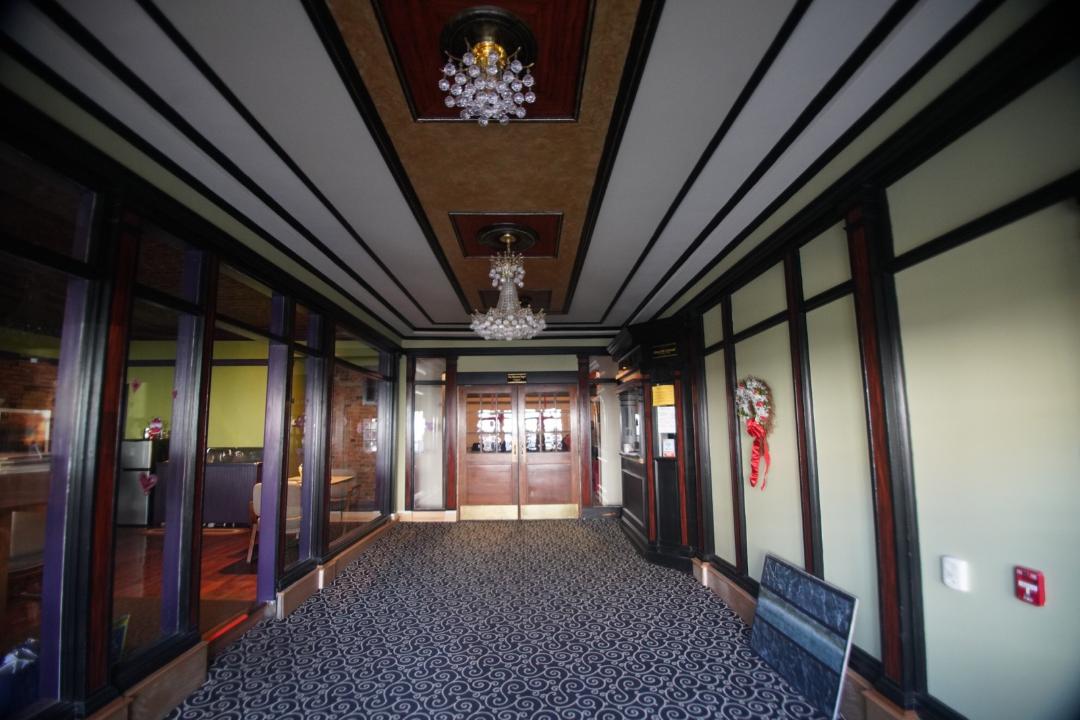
(561, 27)
(538, 299)
(469, 226)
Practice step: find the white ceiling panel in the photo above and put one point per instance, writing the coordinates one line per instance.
(319, 127)
(702, 55)
(824, 39)
(913, 38)
(138, 43)
(40, 37)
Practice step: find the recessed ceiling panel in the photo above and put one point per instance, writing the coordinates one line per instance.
(471, 227)
(560, 28)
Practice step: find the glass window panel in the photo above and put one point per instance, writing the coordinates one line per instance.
(232, 489)
(239, 297)
(144, 481)
(429, 437)
(168, 264)
(33, 304)
(350, 348)
(490, 425)
(294, 465)
(41, 208)
(355, 498)
(547, 422)
(631, 410)
(430, 369)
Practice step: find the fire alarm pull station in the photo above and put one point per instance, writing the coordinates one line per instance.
(1030, 586)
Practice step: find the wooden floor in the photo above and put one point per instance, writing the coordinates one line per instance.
(227, 587)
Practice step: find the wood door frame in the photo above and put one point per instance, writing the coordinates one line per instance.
(517, 393)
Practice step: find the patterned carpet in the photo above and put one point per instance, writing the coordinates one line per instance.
(558, 619)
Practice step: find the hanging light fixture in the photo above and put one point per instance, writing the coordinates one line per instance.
(509, 319)
(488, 83)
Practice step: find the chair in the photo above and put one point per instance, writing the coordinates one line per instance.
(293, 513)
(27, 549)
(339, 493)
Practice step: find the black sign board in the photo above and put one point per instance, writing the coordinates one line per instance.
(666, 350)
(516, 378)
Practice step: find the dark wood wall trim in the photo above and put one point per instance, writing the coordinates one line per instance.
(100, 581)
(870, 247)
(804, 416)
(731, 381)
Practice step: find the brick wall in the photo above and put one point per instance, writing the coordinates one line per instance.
(27, 386)
(351, 448)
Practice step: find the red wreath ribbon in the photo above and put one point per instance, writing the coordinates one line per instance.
(760, 449)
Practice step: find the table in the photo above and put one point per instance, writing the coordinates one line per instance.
(32, 493)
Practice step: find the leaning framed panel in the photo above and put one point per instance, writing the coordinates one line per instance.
(803, 628)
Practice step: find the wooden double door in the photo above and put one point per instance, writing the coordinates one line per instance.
(518, 452)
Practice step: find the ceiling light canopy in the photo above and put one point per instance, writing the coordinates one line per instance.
(509, 320)
(491, 80)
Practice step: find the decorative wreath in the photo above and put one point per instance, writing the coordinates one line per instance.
(753, 399)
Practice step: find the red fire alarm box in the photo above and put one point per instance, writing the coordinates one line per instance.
(1030, 586)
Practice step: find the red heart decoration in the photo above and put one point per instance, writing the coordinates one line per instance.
(148, 481)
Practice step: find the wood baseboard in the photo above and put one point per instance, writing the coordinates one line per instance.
(569, 511)
(156, 695)
(428, 516)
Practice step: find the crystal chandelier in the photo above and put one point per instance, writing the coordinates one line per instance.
(508, 320)
(487, 84)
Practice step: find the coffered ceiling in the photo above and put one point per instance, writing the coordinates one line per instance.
(663, 131)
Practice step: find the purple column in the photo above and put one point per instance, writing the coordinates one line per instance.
(275, 449)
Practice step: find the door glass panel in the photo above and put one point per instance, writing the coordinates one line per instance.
(355, 495)
(232, 490)
(489, 422)
(168, 264)
(294, 463)
(547, 422)
(38, 308)
(241, 298)
(144, 483)
(428, 439)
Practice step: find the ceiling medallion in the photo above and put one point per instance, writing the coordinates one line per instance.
(508, 320)
(486, 83)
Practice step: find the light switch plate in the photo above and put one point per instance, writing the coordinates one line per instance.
(955, 573)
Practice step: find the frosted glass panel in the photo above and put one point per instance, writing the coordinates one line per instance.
(763, 296)
(723, 516)
(773, 514)
(991, 342)
(845, 492)
(825, 263)
(429, 436)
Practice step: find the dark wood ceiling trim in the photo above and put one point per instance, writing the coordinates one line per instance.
(648, 19)
(766, 61)
(90, 43)
(884, 27)
(189, 51)
(82, 101)
(940, 49)
(328, 32)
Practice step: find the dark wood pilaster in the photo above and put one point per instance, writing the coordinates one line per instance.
(899, 584)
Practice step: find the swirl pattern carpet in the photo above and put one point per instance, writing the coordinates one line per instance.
(500, 620)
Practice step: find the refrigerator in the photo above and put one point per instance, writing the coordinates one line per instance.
(136, 458)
